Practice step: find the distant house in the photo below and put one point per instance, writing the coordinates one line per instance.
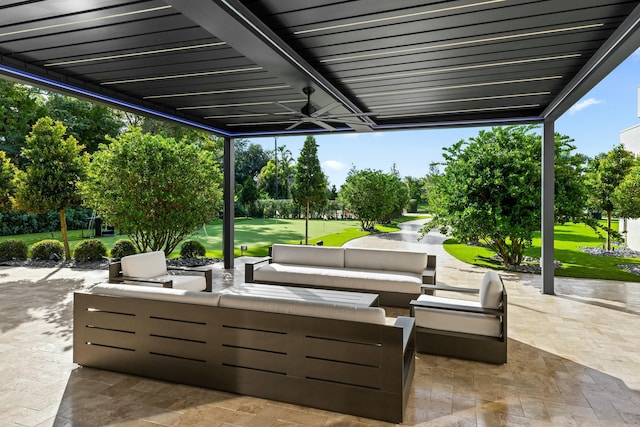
(630, 138)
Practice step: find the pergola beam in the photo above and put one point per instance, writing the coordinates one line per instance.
(239, 28)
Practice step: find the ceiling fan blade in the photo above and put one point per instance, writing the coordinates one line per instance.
(295, 125)
(337, 116)
(323, 125)
(325, 109)
(291, 110)
(345, 121)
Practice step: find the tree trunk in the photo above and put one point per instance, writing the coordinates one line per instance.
(306, 226)
(65, 235)
(608, 230)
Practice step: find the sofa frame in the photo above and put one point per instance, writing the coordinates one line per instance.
(357, 368)
(116, 276)
(461, 345)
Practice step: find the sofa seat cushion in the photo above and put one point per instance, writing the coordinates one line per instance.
(348, 278)
(456, 321)
(385, 259)
(185, 283)
(238, 298)
(147, 264)
(157, 293)
(308, 255)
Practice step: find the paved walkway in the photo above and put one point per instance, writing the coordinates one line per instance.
(573, 360)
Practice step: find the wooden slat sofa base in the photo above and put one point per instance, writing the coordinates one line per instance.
(363, 369)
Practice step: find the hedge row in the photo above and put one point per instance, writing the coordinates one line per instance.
(288, 208)
(17, 222)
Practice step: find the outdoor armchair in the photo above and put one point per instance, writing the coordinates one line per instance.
(150, 269)
(463, 328)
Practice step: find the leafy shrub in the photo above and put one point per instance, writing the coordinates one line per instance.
(192, 249)
(123, 248)
(47, 249)
(13, 249)
(90, 250)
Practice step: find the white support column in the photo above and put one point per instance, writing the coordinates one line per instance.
(548, 220)
(228, 238)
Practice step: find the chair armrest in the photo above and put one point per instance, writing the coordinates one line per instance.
(115, 270)
(249, 267)
(430, 289)
(407, 324)
(429, 276)
(164, 283)
(208, 274)
(454, 307)
(429, 273)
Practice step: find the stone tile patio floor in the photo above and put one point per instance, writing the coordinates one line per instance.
(574, 360)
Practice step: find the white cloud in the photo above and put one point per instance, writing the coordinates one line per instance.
(579, 106)
(334, 165)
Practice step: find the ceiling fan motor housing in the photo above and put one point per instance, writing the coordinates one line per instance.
(308, 109)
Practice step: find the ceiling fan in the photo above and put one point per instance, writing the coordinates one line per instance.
(309, 113)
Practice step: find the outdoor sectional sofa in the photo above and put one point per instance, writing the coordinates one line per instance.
(396, 275)
(338, 357)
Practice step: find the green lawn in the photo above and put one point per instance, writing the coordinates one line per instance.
(575, 262)
(257, 234)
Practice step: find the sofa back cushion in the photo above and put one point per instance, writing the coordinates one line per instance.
(308, 255)
(148, 264)
(385, 259)
(491, 290)
(157, 293)
(303, 308)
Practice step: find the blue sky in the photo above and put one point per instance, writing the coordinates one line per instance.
(594, 122)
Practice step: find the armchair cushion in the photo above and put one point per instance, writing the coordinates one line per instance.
(456, 321)
(153, 265)
(491, 290)
(148, 264)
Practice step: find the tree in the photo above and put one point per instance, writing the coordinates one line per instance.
(429, 186)
(372, 196)
(20, 108)
(309, 182)
(626, 197)
(605, 173)
(7, 181)
(248, 195)
(332, 193)
(490, 189)
(416, 187)
(87, 122)
(54, 167)
(156, 189)
(282, 170)
(399, 193)
(250, 159)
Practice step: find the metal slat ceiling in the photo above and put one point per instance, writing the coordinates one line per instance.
(238, 68)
